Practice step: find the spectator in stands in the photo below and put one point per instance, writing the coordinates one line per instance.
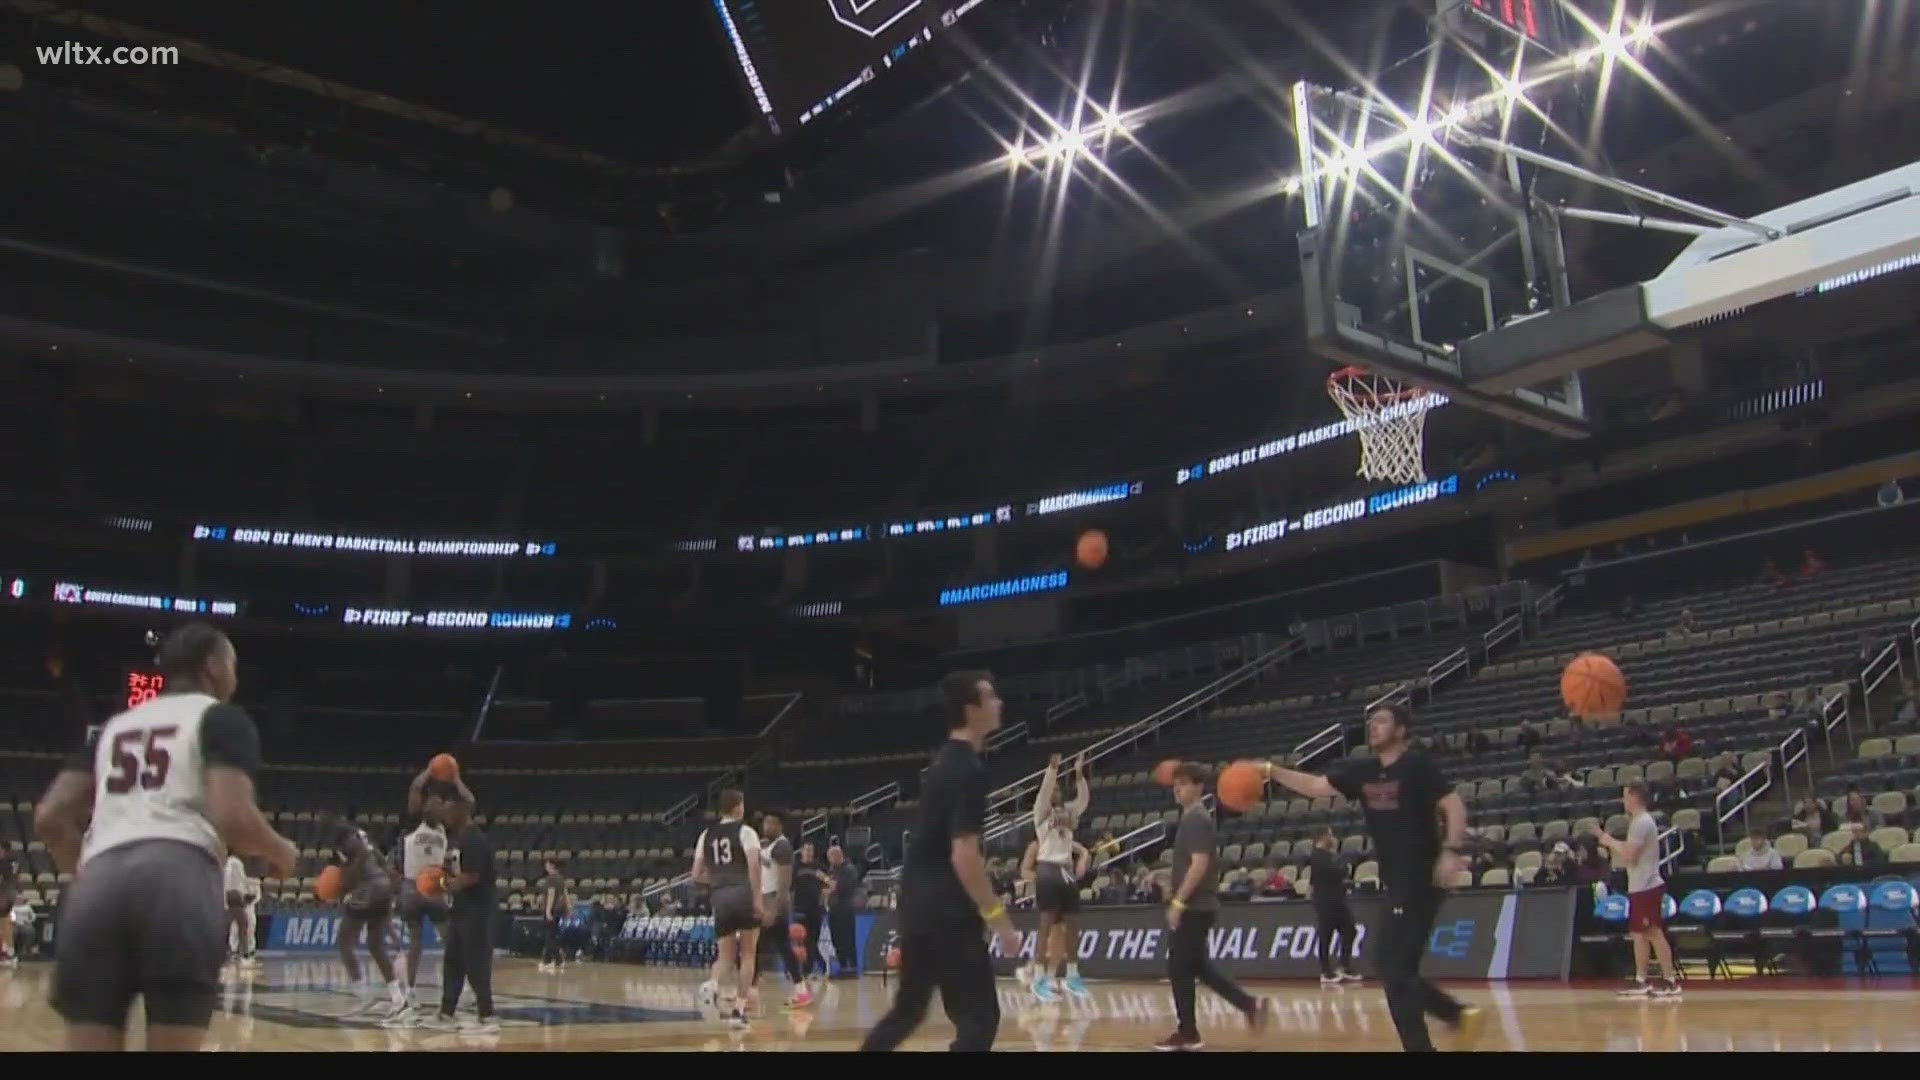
(1726, 772)
(1528, 736)
(1906, 708)
(1554, 872)
(1811, 565)
(1686, 621)
(1276, 886)
(1676, 744)
(1477, 742)
(1105, 848)
(1537, 777)
(1146, 886)
(1760, 854)
(1489, 855)
(1772, 578)
(1592, 866)
(1861, 851)
(1811, 818)
(1858, 812)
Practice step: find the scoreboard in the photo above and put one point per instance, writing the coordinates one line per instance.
(1490, 20)
(802, 59)
(143, 686)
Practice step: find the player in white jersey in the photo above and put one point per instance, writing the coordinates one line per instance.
(243, 896)
(169, 788)
(1060, 863)
(423, 849)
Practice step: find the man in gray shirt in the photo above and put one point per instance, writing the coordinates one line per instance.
(1192, 913)
(1646, 894)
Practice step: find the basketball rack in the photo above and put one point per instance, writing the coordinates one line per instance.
(1524, 363)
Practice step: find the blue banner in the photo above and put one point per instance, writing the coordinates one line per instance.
(318, 932)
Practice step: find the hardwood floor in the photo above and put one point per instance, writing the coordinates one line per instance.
(304, 1005)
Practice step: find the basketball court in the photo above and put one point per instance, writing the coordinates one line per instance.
(300, 1005)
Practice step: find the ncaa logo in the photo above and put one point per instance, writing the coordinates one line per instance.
(1453, 942)
(871, 17)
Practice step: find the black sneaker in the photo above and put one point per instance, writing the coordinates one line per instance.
(1637, 989)
(1667, 988)
(1179, 1042)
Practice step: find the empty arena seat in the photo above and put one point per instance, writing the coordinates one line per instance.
(1701, 905)
(1611, 908)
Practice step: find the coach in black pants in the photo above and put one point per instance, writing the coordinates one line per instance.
(946, 899)
(1333, 919)
(1194, 909)
(469, 945)
(1405, 800)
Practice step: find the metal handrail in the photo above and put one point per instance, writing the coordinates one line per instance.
(1132, 733)
(1331, 737)
(675, 814)
(1158, 829)
(1793, 750)
(874, 798)
(1065, 707)
(1446, 666)
(1668, 857)
(814, 824)
(1549, 602)
(665, 886)
(1399, 695)
(999, 800)
(1832, 717)
(1502, 630)
(1009, 734)
(1765, 771)
(1876, 671)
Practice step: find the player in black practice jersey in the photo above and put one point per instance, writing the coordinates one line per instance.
(366, 909)
(1417, 822)
(946, 899)
(727, 860)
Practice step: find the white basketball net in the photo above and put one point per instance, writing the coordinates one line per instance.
(1391, 421)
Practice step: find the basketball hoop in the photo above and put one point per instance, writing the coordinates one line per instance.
(1391, 420)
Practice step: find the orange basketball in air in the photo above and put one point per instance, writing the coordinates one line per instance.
(1593, 686)
(1091, 551)
(444, 768)
(893, 958)
(797, 933)
(330, 884)
(1242, 784)
(432, 882)
(1163, 772)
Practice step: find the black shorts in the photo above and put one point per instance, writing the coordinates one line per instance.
(733, 910)
(371, 902)
(416, 909)
(146, 918)
(1055, 890)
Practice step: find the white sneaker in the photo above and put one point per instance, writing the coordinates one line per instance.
(1329, 980)
(546, 968)
(438, 1022)
(477, 1026)
(1348, 976)
(400, 1016)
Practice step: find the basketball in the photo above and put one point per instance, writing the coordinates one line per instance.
(330, 884)
(797, 934)
(893, 958)
(1091, 551)
(800, 953)
(1241, 785)
(444, 768)
(432, 882)
(1163, 772)
(1593, 686)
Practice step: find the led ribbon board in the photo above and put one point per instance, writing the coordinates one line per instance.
(1342, 512)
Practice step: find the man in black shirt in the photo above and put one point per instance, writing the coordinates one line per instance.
(9, 876)
(1193, 911)
(1405, 800)
(1332, 918)
(946, 899)
(809, 886)
(469, 945)
(556, 903)
(843, 911)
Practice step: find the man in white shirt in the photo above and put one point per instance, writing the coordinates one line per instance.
(243, 896)
(1646, 893)
(1760, 854)
(1059, 865)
